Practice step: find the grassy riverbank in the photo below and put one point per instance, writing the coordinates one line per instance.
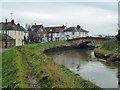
(49, 74)
(110, 50)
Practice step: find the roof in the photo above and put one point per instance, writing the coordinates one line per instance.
(10, 26)
(81, 30)
(36, 27)
(55, 29)
(74, 29)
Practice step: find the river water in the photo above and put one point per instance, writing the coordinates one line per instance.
(84, 62)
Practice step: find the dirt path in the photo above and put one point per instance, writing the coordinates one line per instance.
(31, 78)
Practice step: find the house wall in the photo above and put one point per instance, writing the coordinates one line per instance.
(43, 34)
(17, 35)
(56, 36)
(72, 36)
(39, 36)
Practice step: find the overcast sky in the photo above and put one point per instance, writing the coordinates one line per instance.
(96, 17)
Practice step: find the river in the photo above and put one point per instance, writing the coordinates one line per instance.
(84, 63)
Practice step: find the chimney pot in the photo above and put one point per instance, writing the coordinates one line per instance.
(12, 21)
(18, 24)
(78, 27)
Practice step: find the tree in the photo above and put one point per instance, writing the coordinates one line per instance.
(118, 36)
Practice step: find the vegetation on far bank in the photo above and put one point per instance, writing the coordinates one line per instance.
(49, 73)
(109, 50)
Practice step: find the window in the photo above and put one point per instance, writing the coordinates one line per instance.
(41, 29)
(33, 29)
(44, 35)
(3, 32)
(49, 34)
(53, 34)
(57, 34)
(73, 33)
(19, 32)
(50, 30)
(15, 32)
(8, 32)
(49, 39)
(56, 39)
(18, 40)
(38, 35)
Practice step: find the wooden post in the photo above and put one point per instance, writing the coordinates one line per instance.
(6, 34)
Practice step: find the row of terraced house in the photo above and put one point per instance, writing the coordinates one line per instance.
(39, 33)
(17, 35)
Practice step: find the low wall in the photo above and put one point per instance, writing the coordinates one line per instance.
(10, 43)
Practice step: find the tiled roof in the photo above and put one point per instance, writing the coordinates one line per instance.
(36, 27)
(10, 26)
(55, 29)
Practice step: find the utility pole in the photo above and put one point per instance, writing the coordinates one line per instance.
(6, 34)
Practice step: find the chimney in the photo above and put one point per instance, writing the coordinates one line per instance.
(18, 24)
(35, 24)
(12, 21)
(78, 27)
(63, 26)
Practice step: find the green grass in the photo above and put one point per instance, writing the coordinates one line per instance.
(91, 44)
(49, 73)
(111, 47)
(13, 70)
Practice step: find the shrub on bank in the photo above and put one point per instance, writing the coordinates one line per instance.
(109, 50)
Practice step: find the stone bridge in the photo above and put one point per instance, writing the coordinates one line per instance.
(96, 40)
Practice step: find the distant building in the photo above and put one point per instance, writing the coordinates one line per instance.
(27, 29)
(37, 34)
(54, 33)
(74, 32)
(14, 31)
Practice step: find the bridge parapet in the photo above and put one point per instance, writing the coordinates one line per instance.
(95, 40)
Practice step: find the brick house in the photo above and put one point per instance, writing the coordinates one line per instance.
(54, 33)
(37, 34)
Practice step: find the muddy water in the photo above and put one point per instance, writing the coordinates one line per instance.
(84, 62)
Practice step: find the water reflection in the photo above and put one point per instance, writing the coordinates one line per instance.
(83, 62)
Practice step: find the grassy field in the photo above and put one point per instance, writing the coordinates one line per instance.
(49, 74)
